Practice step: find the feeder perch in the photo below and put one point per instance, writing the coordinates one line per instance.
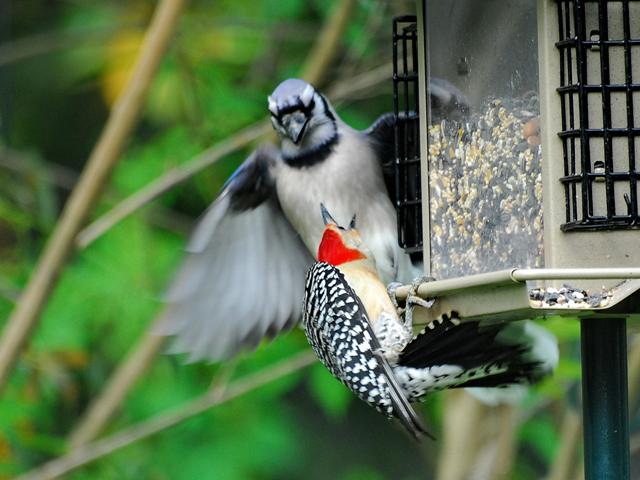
(520, 185)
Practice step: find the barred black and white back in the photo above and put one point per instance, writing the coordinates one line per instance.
(336, 325)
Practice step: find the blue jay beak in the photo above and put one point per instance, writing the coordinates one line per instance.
(296, 130)
(295, 126)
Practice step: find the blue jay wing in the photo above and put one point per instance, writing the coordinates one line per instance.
(243, 275)
(382, 137)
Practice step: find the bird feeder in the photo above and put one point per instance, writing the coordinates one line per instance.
(519, 180)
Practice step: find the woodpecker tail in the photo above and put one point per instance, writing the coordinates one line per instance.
(401, 407)
(450, 354)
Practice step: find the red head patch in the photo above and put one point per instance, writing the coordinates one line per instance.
(332, 249)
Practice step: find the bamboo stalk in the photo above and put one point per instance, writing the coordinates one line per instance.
(97, 171)
(216, 396)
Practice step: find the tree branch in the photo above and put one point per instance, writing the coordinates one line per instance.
(96, 173)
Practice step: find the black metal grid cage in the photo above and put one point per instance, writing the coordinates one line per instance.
(599, 50)
(407, 137)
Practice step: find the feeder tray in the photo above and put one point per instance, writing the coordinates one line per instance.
(506, 295)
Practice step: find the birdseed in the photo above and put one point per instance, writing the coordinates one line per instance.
(568, 297)
(485, 190)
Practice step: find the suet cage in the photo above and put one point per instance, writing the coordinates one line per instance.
(517, 175)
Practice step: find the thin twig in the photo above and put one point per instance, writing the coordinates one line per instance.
(96, 173)
(24, 165)
(67, 179)
(115, 390)
(216, 396)
(363, 83)
(169, 180)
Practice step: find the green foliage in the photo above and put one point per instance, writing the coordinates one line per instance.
(542, 436)
(362, 472)
(224, 61)
(331, 395)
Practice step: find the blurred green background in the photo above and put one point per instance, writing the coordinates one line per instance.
(62, 65)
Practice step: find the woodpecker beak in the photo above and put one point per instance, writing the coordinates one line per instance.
(326, 216)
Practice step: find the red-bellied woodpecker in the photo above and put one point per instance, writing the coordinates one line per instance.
(356, 332)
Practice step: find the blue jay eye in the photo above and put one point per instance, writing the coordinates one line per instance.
(278, 126)
(308, 110)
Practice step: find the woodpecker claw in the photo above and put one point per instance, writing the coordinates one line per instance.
(392, 289)
(414, 300)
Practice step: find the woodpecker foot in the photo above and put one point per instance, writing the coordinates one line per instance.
(414, 300)
(391, 291)
(412, 296)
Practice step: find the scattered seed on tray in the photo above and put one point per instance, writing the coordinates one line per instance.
(568, 297)
(485, 190)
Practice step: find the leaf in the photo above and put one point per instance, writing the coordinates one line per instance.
(541, 434)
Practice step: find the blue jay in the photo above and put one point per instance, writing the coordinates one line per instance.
(243, 277)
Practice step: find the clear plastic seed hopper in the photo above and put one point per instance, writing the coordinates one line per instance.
(527, 200)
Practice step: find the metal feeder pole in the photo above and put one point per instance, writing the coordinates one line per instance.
(604, 398)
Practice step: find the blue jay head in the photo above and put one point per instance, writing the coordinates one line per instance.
(296, 108)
